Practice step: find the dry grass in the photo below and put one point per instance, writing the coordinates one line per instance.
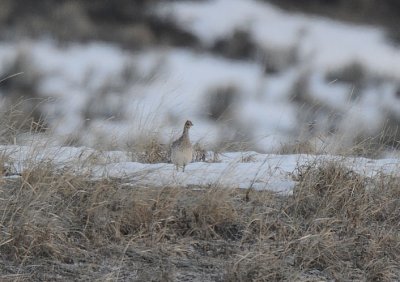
(336, 225)
(300, 147)
(152, 150)
(57, 225)
(19, 118)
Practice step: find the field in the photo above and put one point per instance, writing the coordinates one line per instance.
(295, 107)
(78, 214)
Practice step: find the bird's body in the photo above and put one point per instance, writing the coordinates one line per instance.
(181, 149)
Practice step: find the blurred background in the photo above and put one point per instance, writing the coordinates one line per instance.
(280, 76)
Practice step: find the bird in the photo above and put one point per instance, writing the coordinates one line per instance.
(181, 149)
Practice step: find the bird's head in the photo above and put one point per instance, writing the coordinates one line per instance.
(188, 124)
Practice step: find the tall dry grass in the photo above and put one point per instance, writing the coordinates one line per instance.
(57, 223)
(337, 225)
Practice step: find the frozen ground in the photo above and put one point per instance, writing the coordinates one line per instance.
(103, 95)
(233, 170)
(144, 221)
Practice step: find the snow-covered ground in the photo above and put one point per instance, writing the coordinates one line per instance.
(325, 43)
(230, 170)
(108, 95)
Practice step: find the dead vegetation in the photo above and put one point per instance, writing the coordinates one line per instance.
(333, 227)
(20, 118)
(57, 225)
(337, 225)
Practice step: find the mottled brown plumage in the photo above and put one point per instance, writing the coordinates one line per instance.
(181, 149)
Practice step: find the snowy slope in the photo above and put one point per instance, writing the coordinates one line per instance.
(326, 43)
(168, 85)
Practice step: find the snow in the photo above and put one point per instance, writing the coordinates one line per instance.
(233, 170)
(170, 85)
(206, 20)
(150, 93)
(328, 42)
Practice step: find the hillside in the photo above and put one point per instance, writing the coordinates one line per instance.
(296, 112)
(259, 78)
